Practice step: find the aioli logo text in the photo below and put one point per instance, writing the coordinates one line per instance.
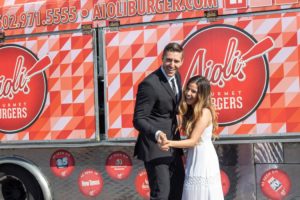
(23, 87)
(236, 65)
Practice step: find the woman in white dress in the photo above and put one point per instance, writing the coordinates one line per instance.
(198, 120)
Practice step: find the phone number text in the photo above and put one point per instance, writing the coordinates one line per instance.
(39, 18)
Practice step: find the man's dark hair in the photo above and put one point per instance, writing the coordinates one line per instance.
(172, 47)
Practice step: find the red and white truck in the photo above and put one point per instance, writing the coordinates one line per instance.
(69, 72)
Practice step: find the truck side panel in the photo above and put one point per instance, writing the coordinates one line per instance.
(252, 63)
(25, 17)
(257, 171)
(67, 109)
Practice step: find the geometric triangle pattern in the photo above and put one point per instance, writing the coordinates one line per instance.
(71, 91)
(133, 53)
(129, 62)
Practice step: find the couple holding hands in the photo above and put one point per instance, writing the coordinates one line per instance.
(160, 101)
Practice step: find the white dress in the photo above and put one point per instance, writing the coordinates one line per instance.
(202, 171)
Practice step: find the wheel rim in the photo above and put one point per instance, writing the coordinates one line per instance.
(13, 188)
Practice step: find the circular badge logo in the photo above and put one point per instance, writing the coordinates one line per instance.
(236, 65)
(23, 87)
(62, 163)
(225, 182)
(118, 165)
(275, 184)
(142, 184)
(90, 182)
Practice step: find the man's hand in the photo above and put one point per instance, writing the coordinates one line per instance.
(161, 137)
(163, 141)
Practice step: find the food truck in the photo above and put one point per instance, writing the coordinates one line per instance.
(69, 72)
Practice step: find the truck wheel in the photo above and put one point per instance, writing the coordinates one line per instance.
(18, 184)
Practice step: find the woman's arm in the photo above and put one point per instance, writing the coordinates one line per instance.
(200, 125)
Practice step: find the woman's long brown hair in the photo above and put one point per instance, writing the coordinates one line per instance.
(189, 114)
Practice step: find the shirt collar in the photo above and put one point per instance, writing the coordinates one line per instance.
(167, 77)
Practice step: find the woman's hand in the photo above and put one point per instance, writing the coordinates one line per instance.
(165, 144)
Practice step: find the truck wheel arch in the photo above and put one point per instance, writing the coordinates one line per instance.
(28, 174)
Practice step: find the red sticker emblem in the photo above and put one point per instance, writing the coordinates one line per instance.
(225, 182)
(142, 184)
(23, 87)
(118, 165)
(62, 163)
(275, 184)
(236, 65)
(90, 182)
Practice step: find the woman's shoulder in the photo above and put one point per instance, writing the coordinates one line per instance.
(206, 112)
(207, 116)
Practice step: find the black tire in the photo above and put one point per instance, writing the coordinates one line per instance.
(18, 184)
